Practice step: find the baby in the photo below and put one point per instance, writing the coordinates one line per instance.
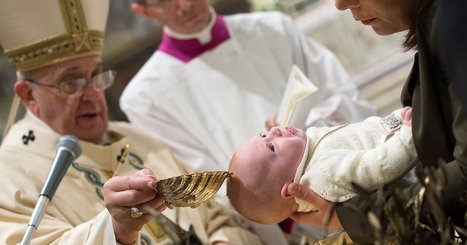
(327, 159)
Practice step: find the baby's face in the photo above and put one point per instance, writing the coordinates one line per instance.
(276, 153)
(261, 167)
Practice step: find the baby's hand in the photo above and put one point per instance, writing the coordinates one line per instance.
(406, 116)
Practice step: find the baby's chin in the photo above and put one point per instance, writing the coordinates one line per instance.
(300, 133)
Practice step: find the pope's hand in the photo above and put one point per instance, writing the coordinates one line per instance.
(325, 209)
(124, 193)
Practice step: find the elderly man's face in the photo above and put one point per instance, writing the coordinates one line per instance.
(83, 114)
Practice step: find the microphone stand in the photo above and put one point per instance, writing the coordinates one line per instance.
(36, 217)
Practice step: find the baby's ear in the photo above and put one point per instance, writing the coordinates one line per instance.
(285, 192)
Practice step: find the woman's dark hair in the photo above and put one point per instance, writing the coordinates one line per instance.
(411, 37)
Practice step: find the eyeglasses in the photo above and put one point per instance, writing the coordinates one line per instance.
(101, 82)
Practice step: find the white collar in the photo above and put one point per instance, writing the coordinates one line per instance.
(204, 36)
(303, 163)
(303, 206)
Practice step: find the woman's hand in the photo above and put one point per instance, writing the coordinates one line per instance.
(121, 193)
(323, 217)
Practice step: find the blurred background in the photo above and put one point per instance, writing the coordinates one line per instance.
(378, 64)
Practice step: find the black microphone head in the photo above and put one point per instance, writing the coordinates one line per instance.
(71, 143)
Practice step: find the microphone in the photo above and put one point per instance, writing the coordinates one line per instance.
(68, 149)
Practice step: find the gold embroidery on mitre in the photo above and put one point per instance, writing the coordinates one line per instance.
(76, 42)
(82, 41)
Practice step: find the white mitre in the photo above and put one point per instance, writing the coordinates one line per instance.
(38, 33)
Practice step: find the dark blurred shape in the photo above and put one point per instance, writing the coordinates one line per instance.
(451, 36)
(395, 214)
